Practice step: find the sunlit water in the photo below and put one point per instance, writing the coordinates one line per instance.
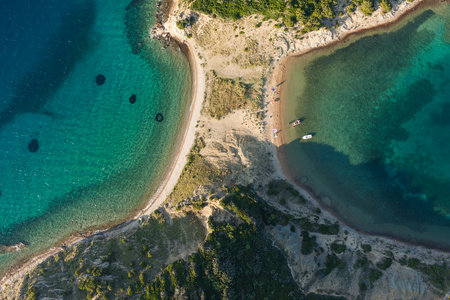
(75, 151)
(379, 110)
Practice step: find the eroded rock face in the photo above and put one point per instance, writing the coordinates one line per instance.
(33, 146)
(12, 248)
(100, 79)
(397, 282)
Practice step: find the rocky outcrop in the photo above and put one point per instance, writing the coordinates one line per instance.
(12, 248)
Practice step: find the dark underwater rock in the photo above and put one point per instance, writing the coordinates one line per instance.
(132, 99)
(100, 79)
(33, 146)
(159, 117)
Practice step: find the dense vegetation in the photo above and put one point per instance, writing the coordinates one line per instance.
(236, 261)
(236, 9)
(311, 13)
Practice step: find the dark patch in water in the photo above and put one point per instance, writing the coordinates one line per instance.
(441, 117)
(69, 44)
(100, 79)
(367, 187)
(436, 67)
(159, 117)
(33, 146)
(136, 22)
(132, 99)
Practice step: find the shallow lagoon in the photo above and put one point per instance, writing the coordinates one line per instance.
(379, 109)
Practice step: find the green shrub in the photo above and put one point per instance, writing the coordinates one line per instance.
(374, 275)
(289, 20)
(129, 291)
(338, 248)
(402, 261)
(32, 293)
(361, 262)
(96, 272)
(385, 263)
(386, 6)
(294, 192)
(273, 192)
(351, 8)
(438, 274)
(331, 262)
(413, 262)
(308, 243)
(329, 229)
(367, 7)
(366, 248)
(278, 25)
(142, 279)
(182, 24)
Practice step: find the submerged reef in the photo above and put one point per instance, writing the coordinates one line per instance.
(100, 79)
(159, 117)
(33, 146)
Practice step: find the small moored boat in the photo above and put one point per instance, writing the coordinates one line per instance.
(307, 137)
(297, 122)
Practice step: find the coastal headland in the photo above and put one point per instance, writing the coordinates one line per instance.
(225, 53)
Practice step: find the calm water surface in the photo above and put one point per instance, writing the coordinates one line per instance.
(78, 149)
(379, 110)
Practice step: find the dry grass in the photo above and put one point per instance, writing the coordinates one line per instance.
(197, 172)
(225, 95)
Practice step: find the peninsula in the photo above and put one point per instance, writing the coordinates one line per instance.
(229, 220)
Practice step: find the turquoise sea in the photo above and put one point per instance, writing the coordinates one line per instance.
(82, 86)
(378, 107)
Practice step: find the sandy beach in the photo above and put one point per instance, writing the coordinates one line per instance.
(180, 157)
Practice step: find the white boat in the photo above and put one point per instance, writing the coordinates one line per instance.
(297, 122)
(307, 137)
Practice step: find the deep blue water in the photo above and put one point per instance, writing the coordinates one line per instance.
(76, 151)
